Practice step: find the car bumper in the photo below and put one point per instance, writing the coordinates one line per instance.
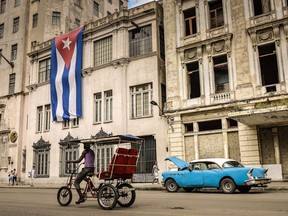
(258, 182)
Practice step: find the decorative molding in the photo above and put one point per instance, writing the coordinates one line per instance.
(67, 139)
(101, 134)
(41, 144)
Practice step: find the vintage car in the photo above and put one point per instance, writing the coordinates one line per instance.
(225, 174)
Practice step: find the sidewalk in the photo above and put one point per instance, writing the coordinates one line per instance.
(276, 185)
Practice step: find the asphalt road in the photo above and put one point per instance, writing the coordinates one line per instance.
(32, 202)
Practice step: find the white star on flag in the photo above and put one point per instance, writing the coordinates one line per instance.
(67, 43)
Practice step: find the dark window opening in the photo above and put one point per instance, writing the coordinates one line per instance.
(162, 42)
(261, 7)
(163, 94)
(232, 123)
(147, 155)
(190, 21)
(210, 125)
(189, 127)
(193, 80)
(221, 74)
(216, 14)
(268, 64)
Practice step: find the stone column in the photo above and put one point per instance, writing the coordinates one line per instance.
(276, 145)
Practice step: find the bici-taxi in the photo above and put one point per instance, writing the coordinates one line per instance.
(113, 185)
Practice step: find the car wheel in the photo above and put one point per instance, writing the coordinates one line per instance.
(188, 189)
(171, 186)
(228, 186)
(244, 189)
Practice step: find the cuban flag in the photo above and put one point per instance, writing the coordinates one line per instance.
(65, 76)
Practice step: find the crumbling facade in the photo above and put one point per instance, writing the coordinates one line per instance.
(226, 68)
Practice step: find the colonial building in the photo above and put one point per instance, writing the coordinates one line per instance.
(227, 81)
(123, 70)
(116, 91)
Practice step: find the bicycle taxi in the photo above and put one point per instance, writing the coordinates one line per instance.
(114, 187)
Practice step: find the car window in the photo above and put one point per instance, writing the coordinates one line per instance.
(213, 166)
(198, 166)
(229, 164)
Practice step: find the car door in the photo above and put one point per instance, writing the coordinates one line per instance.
(194, 177)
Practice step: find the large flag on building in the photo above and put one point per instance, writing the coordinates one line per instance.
(65, 76)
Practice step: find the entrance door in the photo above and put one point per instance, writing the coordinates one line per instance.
(146, 160)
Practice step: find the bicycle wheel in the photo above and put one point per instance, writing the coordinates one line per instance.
(127, 195)
(64, 196)
(107, 197)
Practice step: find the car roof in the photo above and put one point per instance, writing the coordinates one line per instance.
(219, 161)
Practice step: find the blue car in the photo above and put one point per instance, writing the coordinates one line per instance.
(225, 174)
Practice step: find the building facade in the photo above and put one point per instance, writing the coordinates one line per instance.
(116, 91)
(226, 70)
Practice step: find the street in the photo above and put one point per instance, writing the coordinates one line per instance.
(32, 202)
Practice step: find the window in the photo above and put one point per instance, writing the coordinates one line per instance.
(193, 80)
(190, 21)
(268, 66)
(14, 52)
(66, 124)
(16, 24)
(189, 127)
(103, 157)
(68, 153)
(261, 7)
(210, 125)
(44, 70)
(141, 96)
(221, 74)
(120, 4)
(2, 6)
(17, 3)
(1, 30)
(39, 118)
(110, 1)
(75, 122)
(42, 154)
(35, 20)
(108, 13)
(216, 14)
(98, 105)
(12, 80)
(96, 9)
(56, 18)
(162, 42)
(108, 105)
(103, 51)
(77, 22)
(140, 41)
(47, 118)
(43, 118)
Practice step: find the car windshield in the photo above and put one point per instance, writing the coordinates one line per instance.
(229, 164)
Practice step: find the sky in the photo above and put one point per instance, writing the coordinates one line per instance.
(135, 3)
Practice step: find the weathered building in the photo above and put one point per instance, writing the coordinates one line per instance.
(122, 72)
(117, 92)
(226, 69)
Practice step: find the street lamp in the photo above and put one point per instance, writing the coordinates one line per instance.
(9, 62)
(9, 160)
(168, 118)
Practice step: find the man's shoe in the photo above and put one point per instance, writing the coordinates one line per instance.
(80, 200)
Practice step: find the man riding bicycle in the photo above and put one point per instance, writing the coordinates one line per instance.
(89, 158)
